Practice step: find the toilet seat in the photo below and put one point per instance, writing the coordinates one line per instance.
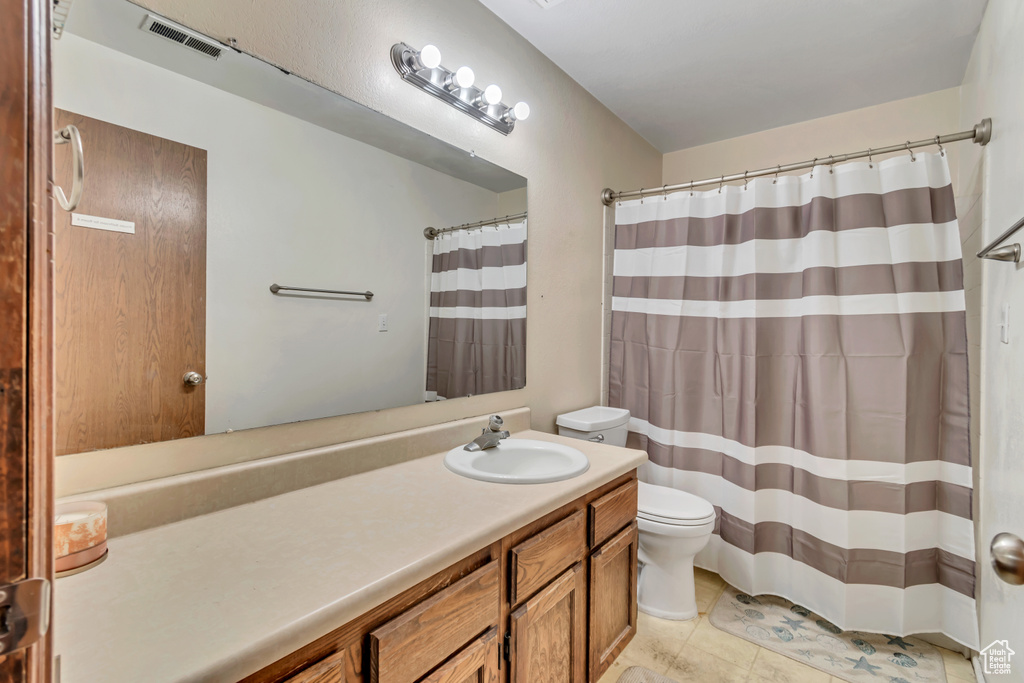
(672, 507)
(672, 521)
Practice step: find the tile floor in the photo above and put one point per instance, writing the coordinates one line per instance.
(697, 651)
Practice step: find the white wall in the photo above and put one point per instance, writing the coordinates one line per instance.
(298, 205)
(993, 177)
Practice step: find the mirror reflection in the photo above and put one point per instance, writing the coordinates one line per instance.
(210, 177)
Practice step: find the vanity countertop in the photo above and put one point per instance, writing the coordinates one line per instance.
(218, 597)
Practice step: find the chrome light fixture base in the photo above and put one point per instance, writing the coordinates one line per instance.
(433, 81)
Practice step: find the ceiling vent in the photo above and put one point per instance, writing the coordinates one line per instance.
(182, 36)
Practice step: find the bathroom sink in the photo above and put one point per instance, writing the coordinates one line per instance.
(519, 461)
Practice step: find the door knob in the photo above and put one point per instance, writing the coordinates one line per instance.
(1008, 558)
(192, 379)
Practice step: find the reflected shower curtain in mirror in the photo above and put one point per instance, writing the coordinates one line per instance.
(477, 330)
(795, 352)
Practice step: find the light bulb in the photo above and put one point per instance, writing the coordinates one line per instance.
(519, 112)
(463, 78)
(430, 57)
(492, 94)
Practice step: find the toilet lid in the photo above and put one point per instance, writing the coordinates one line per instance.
(671, 506)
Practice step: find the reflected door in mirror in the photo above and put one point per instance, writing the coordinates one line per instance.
(130, 306)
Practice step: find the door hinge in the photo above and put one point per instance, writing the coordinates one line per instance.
(24, 614)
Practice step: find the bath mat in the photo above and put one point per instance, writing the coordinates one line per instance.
(798, 633)
(638, 674)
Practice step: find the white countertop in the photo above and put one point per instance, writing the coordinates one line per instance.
(218, 597)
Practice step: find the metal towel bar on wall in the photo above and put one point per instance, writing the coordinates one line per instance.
(275, 288)
(64, 135)
(1011, 252)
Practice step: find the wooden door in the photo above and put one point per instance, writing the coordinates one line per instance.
(549, 633)
(26, 281)
(131, 308)
(613, 574)
(476, 663)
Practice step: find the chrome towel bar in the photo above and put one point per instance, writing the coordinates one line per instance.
(275, 288)
(1011, 252)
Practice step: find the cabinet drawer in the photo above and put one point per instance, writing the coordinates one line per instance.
(538, 560)
(410, 645)
(611, 512)
(328, 670)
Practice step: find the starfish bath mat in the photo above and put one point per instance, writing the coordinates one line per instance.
(791, 630)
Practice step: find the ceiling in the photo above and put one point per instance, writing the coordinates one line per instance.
(688, 72)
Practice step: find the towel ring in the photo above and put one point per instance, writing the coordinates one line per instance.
(70, 134)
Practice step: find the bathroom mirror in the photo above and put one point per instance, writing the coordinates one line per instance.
(219, 187)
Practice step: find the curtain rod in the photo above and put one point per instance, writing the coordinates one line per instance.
(431, 233)
(980, 134)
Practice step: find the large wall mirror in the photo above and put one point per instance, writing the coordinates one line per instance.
(210, 178)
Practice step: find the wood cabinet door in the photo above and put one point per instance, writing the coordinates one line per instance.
(476, 663)
(613, 574)
(549, 633)
(130, 307)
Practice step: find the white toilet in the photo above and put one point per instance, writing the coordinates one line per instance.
(674, 525)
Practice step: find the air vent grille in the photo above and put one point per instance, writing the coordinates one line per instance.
(182, 36)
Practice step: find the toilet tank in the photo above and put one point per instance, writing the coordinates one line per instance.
(597, 423)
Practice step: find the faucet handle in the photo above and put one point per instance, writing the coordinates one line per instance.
(495, 423)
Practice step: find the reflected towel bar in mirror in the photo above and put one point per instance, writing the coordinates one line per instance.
(275, 288)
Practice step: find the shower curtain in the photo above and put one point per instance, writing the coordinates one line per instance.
(477, 328)
(794, 351)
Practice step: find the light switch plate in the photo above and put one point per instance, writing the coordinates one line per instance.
(382, 322)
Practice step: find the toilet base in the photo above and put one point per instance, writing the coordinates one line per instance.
(662, 614)
(668, 595)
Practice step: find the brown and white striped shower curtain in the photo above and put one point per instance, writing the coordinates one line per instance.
(477, 328)
(795, 352)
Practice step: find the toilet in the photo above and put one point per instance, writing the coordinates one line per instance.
(674, 525)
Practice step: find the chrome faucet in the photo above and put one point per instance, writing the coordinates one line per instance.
(491, 435)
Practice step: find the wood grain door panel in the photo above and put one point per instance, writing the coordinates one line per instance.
(131, 308)
(613, 599)
(549, 632)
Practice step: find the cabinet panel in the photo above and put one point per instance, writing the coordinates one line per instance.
(548, 635)
(613, 574)
(476, 663)
(611, 512)
(329, 670)
(538, 560)
(407, 647)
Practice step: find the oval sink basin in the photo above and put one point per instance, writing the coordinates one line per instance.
(519, 461)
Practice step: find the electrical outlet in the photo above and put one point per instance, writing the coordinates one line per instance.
(382, 322)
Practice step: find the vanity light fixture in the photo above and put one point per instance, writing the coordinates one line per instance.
(423, 69)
